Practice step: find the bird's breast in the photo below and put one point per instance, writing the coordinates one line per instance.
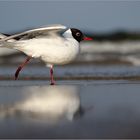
(61, 54)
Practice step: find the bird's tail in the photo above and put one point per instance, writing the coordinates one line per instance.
(6, 44)
(2, 36)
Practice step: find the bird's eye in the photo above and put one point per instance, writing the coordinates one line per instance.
(77, 34)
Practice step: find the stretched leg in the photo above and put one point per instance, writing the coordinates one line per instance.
(21, 66)
(52, 78)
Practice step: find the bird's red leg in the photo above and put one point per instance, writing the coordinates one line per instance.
(52, 78)
(21, 66)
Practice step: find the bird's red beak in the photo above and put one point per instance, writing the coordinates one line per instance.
(87, 38)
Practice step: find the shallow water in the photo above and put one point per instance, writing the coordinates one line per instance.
(95, 109)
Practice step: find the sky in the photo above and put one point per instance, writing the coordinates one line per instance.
(87, 15)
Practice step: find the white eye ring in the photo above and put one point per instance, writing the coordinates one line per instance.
(77, 34)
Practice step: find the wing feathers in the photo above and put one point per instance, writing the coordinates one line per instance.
(52, 29)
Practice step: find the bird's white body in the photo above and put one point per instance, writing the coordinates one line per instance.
(52, 49)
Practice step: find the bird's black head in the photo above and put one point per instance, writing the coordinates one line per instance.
(77, 34)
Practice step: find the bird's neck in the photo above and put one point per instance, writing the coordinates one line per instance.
(68, 34)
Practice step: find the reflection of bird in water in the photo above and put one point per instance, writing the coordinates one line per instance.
(50, 103)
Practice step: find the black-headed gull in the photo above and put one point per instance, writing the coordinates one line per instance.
(54, 44)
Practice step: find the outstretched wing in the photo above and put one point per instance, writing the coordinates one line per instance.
(34, 33)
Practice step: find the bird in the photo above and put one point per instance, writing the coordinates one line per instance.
(54, 44)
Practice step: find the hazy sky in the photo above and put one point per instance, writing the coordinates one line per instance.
(88, 15)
